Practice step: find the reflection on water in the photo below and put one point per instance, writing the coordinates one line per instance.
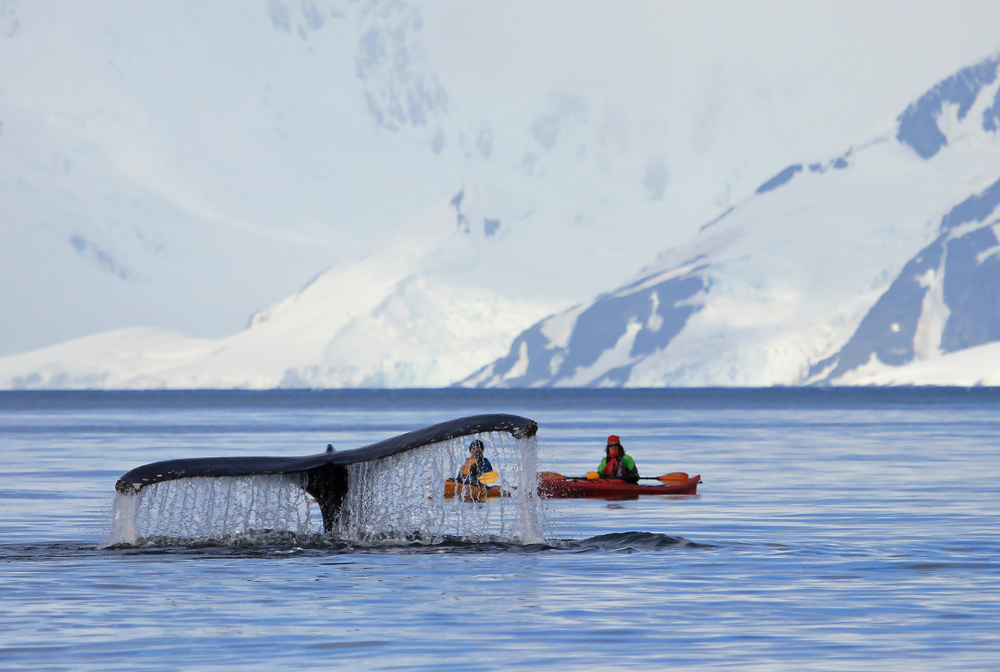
(860, 534)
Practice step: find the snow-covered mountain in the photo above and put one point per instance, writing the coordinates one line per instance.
(167, 169)
(879, 266)
(383, 321)
(183, 164)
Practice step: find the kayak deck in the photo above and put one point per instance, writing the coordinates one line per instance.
(472, 493)
(568, 488)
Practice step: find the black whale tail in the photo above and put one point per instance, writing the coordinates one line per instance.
(323, 476)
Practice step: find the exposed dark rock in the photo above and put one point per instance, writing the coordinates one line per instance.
(889, 327)
(918, 124)
(781, 178)
(971, 291)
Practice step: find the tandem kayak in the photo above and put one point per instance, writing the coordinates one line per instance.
(556, 486)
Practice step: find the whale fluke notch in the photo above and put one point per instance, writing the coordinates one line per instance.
(325, 474)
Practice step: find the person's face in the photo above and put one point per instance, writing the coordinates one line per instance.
(476, 451)
(614, 449)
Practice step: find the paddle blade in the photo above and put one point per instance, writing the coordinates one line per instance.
(551, 476)
(489, 478)
(675, 477)
(593, 475)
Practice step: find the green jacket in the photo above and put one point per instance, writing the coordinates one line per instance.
(626, 469)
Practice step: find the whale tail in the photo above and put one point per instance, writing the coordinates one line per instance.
(324, 476)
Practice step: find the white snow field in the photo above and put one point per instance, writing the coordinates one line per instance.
(410, 185)
(979, 365)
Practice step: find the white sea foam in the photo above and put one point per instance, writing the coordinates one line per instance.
(397, 498)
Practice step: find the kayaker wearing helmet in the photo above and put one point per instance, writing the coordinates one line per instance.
(475, 466)
(616, 464)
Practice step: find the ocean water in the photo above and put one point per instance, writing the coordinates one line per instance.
(834, 530)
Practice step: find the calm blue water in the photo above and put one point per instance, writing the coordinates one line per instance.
(835, 530)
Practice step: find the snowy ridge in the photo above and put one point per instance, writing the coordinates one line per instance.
(379, 322)
(857, 270)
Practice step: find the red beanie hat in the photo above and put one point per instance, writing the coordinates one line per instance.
(613, 440)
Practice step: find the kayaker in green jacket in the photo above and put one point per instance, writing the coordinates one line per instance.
(616, 464)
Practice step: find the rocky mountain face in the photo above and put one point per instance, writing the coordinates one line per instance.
(946, 298)
(868, 264)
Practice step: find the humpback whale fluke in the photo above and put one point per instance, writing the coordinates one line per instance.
(324, 476)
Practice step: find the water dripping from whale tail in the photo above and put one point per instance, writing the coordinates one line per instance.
(389, 490)
(225, 508)
(402, 496)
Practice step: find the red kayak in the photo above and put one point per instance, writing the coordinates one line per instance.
(561, 487)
